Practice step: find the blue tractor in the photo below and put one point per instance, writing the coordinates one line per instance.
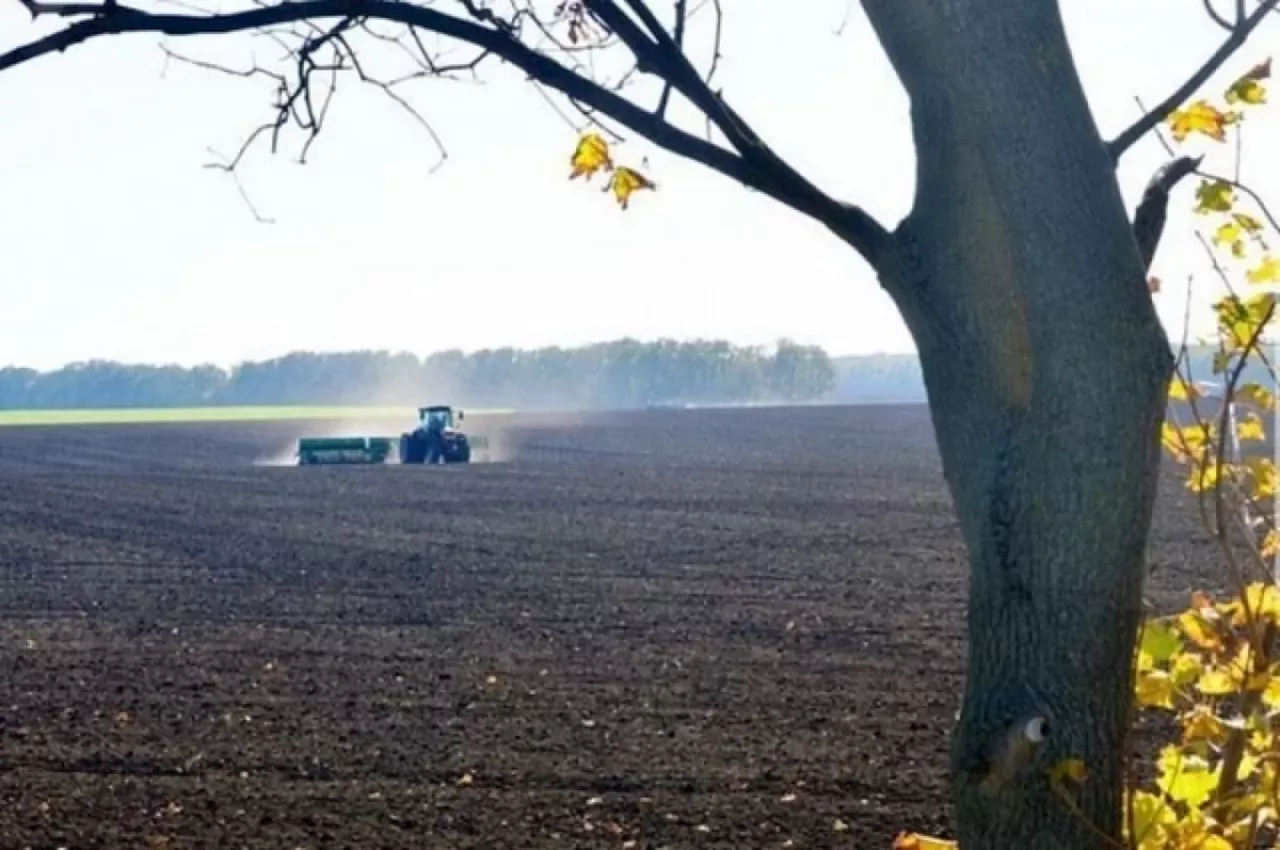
(436, 439)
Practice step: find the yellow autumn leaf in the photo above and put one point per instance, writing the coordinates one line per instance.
(1187, 668)
(1216, 681)
(1231, 235)
(915, 841)
(1250, 428)
(1200, 631)
(590, 156)
(1214, 196)
(627, 180)
(1243, 664)
(1270, 546)
(1180, 390)
(1268, 784)
(1243, 320)
(1262, 472)
(1262, 739)
(1200, 117)
(1262, 602)
(1151, 820)
(1196, 831)
(1196, 437)
(1268, 271)
(1248, 87)
(1171, 438)
(1271, 693)
(1201, 724)
(1261, 307)
(1184, 440)
(1257, 395)
(1205, 477)
(1185, 778)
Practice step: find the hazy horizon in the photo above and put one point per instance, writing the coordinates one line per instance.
(231, 364)
(118, 245)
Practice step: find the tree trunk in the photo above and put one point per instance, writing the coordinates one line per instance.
(1046, 369)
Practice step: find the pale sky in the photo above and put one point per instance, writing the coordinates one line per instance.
(117, 244)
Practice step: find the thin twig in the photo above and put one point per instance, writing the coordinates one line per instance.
(1216, 17)
(679, 43)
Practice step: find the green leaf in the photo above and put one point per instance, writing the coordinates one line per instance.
(1186, 779)
(1214, 196)
(1248, 87)
(1160, 641)
(1247, 222)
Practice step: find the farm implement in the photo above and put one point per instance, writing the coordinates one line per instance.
(435, 440)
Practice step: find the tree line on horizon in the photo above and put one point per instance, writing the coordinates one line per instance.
(620, 374)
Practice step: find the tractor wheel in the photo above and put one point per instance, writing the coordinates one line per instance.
(413, 448)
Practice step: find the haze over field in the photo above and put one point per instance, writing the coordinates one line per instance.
(619, 375)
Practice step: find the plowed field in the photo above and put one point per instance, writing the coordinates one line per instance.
(678, 629)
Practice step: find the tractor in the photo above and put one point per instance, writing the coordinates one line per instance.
(435, 440)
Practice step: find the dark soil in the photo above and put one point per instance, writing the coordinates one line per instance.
(672, 629)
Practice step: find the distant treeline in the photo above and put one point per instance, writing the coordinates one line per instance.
(620, 374)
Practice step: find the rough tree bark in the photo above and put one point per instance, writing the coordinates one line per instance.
(1023, 284)
(1047, 369)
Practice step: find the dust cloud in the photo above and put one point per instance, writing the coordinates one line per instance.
(505, 432)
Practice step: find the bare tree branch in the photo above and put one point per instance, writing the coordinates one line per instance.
(658, 54)
(753, 164)
(1153, 209)
(386, 89)
(1239, 34)
(1216, 16)
(679, 44)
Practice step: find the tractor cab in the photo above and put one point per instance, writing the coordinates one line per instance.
(438, 417)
